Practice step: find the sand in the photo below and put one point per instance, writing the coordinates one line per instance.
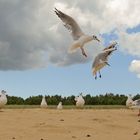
(72, 124)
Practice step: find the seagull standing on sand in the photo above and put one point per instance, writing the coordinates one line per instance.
(136, 104)
(80, 101)
(133, 104)
(129, 101)
(59, 106)
(78, 36)
(3, 99)
(101, 59)
(43, 103)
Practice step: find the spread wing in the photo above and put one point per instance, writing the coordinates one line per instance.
(110, 48)
(70, 24)
(102, 57)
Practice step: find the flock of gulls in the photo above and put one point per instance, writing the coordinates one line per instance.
(80, 39)
(80, 102)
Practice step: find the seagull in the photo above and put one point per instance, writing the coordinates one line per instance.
(133, 104)
(43, 103)
(80, 101)
(3, 99)
(129, 101)
(59, 106)
(79, 37)
(101, 59)
(136, 104)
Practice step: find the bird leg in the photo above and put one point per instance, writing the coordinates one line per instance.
(83, 52)
(100, 74)
(95, 76)
(107, 63)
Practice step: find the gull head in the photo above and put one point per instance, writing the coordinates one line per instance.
(95, 38)
(114, 45)
(60, 103)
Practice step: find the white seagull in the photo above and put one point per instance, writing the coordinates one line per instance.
(43, 103)
(59, 106)
(129, 101)
(101, 59)
(80, 101)
(79, 37)
(133, 104)
(3, 99)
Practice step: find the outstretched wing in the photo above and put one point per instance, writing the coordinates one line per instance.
(107, 52)
(110, 48)
(70, 24)
(102, 57)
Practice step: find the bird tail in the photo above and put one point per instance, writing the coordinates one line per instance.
(73, 48)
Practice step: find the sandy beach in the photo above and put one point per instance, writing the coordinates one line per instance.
(69, 124)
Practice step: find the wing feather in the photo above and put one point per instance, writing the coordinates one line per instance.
(70, 24)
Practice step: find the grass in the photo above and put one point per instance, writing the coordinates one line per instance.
(66, 107)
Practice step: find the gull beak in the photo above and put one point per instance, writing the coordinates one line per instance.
(97, 39)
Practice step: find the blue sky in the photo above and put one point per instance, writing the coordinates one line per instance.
(33, 58)
(72, 80)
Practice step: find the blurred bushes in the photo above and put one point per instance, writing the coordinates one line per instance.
(107, 99)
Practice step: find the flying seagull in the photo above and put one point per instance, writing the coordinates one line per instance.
(79, 37)
(101, 59)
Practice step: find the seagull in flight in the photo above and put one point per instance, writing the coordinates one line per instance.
(79, 37)
(101, 59)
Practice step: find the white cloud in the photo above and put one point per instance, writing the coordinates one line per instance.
(130, 43)
(32, 36)
(135, 67)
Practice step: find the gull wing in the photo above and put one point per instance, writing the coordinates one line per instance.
(103, 56)
(110, 48)
(70, 24)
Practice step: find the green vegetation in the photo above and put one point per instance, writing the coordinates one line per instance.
(107, 99)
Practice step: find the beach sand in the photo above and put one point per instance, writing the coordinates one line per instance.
(69, 124)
